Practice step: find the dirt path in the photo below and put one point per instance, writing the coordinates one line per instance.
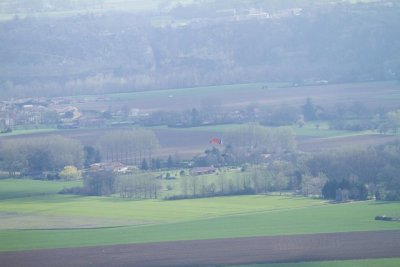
(336, 246)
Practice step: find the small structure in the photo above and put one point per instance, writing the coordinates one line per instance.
(203, 170)
(109, 166)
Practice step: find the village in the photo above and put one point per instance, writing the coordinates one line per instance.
(102, 112)
(59, 112)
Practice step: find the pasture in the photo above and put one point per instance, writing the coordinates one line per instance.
(27, 199)
(230, 96)
(10, 8)
(73, 221)
(29, 131)
(21, 188)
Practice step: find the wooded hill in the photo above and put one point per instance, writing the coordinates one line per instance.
(203, 44)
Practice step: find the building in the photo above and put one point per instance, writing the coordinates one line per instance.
(203, 170)
(109, 166)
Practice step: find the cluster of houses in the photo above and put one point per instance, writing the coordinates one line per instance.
(233, 15)
(27, 111)
(71, 113)
(63, 112)
(120, 168)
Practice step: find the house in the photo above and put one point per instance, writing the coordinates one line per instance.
(109, 166)
(203, 170)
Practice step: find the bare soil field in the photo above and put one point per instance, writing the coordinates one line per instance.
(188, 143)
(172, 141)
(217, 252)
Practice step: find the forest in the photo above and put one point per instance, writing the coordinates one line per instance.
(90, 53)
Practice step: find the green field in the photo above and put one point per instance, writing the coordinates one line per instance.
(321, 129)
(76, 7)
(157, 220)
(235, 95)
(310, 129)
(20, 188)
(349, 263)
(10, 8)
(30, 131)
(190, 91)
(368, 92)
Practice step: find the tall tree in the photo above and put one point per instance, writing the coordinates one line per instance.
(41, 154)
(128, 146)
(309, 110)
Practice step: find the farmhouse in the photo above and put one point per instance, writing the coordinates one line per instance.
(109, 166)
(202, 170)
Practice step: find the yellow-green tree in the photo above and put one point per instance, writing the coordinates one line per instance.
(70, 172)
(41, 154)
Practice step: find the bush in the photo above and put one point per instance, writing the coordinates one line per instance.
(70, 173)
(383, 218)
(77, 190)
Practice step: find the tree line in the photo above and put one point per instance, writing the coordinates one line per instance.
(372, 171)
(128, 146)
(38, 155)
(248, 143)
(342, 174)
(42, 154)
(267, 159)
(337, 43)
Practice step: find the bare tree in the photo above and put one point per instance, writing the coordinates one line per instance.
(128, 146)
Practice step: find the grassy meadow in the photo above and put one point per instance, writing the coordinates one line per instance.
(236, 95)
(319, 129)
(48, 220)
(22, 188)
(74, 8)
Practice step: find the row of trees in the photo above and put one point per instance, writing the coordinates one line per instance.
(35, 156)
(128, 146)
(38, 155)
(339, 175)
(138, 186)
(354, 116)
(257, 179)
(106, 183)
(255, 139)
(249, 143)
(375, 168)
(351, 173)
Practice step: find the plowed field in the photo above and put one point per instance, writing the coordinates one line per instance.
(336, 246)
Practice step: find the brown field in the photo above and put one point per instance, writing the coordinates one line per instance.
(218, 252)
(188, 143)
(371, 94)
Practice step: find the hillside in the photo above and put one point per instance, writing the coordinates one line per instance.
(80, 49)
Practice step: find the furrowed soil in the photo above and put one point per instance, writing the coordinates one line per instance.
(218, 252)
